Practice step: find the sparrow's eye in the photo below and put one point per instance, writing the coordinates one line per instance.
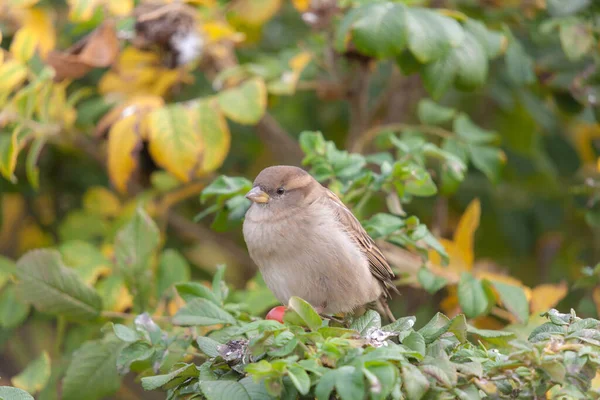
(280, 191)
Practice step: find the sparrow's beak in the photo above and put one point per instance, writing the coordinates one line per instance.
(257, 195)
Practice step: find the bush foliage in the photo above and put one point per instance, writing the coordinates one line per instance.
(462, 133)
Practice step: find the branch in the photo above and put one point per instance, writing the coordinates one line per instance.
(358, 101)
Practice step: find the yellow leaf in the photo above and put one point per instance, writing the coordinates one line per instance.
(301, 5)
(286, 85)
(583, 136)
(9, 150)
(58, 108)
(35, 376)
(215, 135)
(254, 12)
(81, 10)
(598, 164)
(22, 3)
(546, 296)
(124, 145)
(138, 105)
(114, 293)
(175, 142)
(245, 104)
(36, 33)
(12, 74)
(120, 8)
(463, 236)
(214, 31)
(101, 201)
(13, 211)
(32, 236)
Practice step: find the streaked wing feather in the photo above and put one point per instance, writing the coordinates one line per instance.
(377, 263)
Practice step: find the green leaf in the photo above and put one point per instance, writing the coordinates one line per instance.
(433, 114)
(488, 160)
(35, 376)
(368, 320)
(561, 8)
(430, 281)
(312, 143)
(437, 326)
(493, 42)
(492, 336)
(576, 39)
(226, 185)
(471, 296)
(138, 351)
(172, 268)
(400, 325)
(92, 373)
(325, 385)
(86, 259)
(154, 382)
(203, 313)
(431, 35)
(415, 341)
(514, 299)
(245, 104)
(472, 63)
(224, 390)
(306, 312)
(191, 290)
(219, 286)
(300, 378)
(53, 288)
(458, 326)
(414, 382)
(32, 170)
(439, 76)
(125, 333)
(134, 245)
(386, 375)
(12, 393)
(519, 64)
(208, 346)
(471, 133)
(256, 390)
(7, 270)
(380, 29)
(12, 311)
(349, 383)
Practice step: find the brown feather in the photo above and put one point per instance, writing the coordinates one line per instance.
(378, 265)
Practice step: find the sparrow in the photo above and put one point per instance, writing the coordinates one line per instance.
(307, 243)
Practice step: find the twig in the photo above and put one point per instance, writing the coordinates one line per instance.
(358, 101)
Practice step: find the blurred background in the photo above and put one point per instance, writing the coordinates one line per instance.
(106, 105)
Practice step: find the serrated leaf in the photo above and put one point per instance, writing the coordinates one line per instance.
(175, 141)
(53, 288)
(137, 351)
(349, 383)
(154, 382)
(245, 104)
(85, 259)
(299, 378)
(368, 320)
(92, 373)
(35, 376)
(401, 324)
(202, 312)
(125, 333)
(380, 30)
(208, 346)
(415, 341)
(437, 326)
(414, 382)
(224, 390)
(226, 185)
(12, 393)
(471, 296)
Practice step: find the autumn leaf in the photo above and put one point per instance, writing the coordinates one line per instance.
(174, 141)
(254, 12)
(583, 135)
(301, 5)
(245, 104)
(124, 146)
(286, 85)
(12, 74)
(215, 135)
(36, 33)
(546, 296)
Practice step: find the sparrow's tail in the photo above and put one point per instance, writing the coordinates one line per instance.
(384, 308)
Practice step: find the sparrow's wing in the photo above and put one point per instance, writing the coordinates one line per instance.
(377, 263)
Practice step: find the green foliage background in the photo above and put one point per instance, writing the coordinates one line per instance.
(463, 133)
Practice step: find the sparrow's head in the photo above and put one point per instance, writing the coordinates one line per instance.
(282, 186)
